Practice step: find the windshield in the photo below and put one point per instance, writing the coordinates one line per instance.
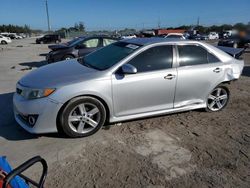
(108, 56)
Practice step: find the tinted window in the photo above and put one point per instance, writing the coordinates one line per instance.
(91, 43)
(156, 58)
(195, 55)
(211, 58)
(108, 41)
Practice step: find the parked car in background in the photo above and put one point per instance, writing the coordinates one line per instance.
(195, 37)
(4, 40)
(51, 38)
(77, 47)
(11, 35)
(128, 36)
(204, 37)
(213, 36)
(175, 36)
(18, 37)
(235, 41)
(129, 79)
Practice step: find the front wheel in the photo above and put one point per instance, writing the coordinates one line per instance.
(68, 57)
(82, 116)
(3, 42)
(217, 99)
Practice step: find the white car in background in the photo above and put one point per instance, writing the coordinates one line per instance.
(175, 36)
(4, 40)
(213, 36)
(128, 37)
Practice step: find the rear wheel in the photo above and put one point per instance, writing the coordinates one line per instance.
(82, 116)
(217, 99)
(235, 45)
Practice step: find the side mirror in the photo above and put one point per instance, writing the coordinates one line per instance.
(128, 69)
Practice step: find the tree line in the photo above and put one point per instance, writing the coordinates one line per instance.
(15, 28)
(216, 28)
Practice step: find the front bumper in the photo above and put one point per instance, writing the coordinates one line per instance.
(46, 110)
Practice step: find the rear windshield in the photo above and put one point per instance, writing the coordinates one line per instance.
(73, 42)
(108, 56)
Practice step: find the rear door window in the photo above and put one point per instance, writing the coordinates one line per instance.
(91, 43)
(195, 55)
(107, 41)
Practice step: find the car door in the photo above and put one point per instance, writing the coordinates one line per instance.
(199, 72)
(88, 46)
(46, 38)
(152, 88)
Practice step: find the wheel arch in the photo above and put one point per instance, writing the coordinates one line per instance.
(105, 104)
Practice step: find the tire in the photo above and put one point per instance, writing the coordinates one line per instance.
(3, 42)
(218, 99)
(82, 116)
(235, 45)
(67, 57)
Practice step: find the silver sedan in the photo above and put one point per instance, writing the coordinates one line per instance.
(129, 79)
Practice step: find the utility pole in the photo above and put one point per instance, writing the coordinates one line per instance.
(159, 23)
(198, 21)
(47, 11)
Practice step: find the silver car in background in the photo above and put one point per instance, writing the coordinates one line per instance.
(126, 80)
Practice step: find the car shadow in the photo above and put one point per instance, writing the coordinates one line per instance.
(246, 71)
(9, 129)
(33, 64)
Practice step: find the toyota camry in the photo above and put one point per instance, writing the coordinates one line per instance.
(129, 79)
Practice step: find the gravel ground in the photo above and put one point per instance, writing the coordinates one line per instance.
(190, 149)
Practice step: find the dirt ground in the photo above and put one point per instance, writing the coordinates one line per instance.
(190, 149)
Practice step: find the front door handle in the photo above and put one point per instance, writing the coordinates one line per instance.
(169, 76)
(217, 70)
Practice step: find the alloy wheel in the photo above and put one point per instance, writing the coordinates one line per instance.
(84, 118)
(217, 99)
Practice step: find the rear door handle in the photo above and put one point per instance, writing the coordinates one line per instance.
(217, 70)
(169, 76)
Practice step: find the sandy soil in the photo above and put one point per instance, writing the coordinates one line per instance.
(190, 149)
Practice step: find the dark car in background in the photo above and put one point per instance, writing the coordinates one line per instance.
(77, 47)
(195, 37)
(235, 42)
(51, 38)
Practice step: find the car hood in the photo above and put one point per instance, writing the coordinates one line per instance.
(58, 46)
(57, 75)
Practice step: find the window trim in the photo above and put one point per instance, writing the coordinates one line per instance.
(193, 44)
(147, 48)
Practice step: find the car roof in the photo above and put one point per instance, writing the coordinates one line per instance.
(152, 40)
(94, 36)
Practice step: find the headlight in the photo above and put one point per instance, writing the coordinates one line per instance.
(30, 93)
(39, 93)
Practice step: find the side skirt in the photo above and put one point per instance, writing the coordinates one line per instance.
(156, 113)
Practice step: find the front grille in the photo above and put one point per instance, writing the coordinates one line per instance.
(18, 91)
